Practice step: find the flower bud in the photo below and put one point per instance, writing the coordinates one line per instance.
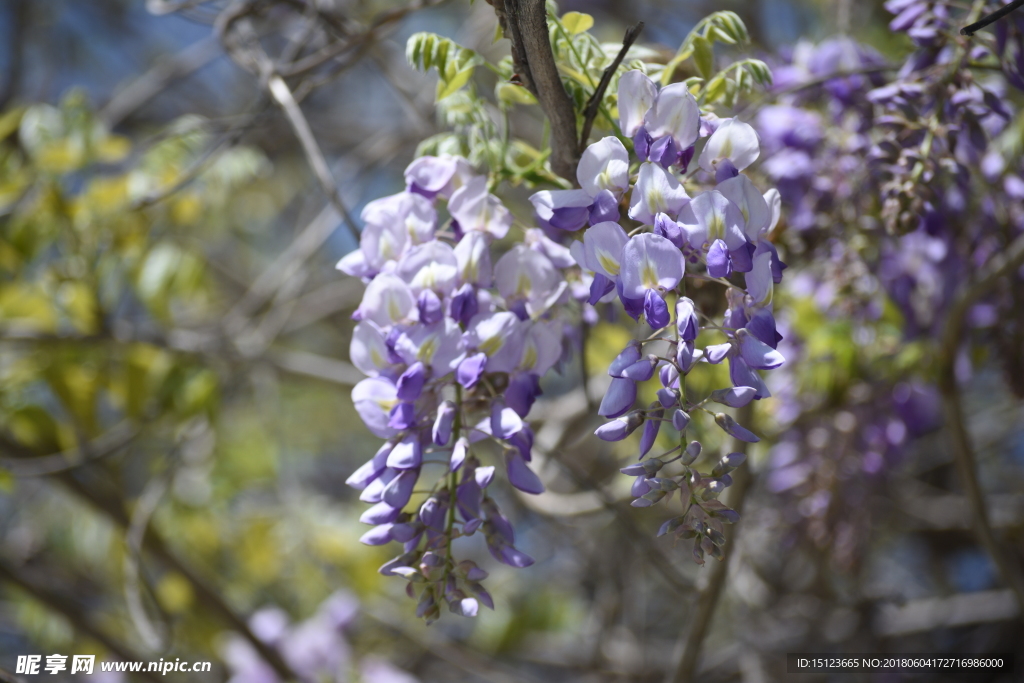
(729, 463)
(680, 420)
(691, 453)
(733, 428)
(734, 397)
(442, 431)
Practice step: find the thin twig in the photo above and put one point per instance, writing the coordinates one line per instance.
(282, 94)
(79, 620)
(594, 103)
(153, 82)
(119, 436)
(155, 638)
(991, 18)
(707, 601)
(1001, 265)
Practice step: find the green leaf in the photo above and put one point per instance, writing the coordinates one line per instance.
(704, 56)
(509, 94)
(577, 22)
(716, 89)
(455, 84)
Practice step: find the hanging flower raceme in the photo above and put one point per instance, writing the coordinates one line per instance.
(453, 348)
(454, 336)
(711, 231)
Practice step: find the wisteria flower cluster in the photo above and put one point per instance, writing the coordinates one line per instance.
(454, 347)
(711, 235)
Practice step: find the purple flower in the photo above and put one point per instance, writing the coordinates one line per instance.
(429, 266)
(442, 431)
(675, 114)
(520, 475)
(407, 454)
(473, 259)
(636, 96)
(369, 350)
(477, 209)
(602, 246)
(711, 216)
(388, 301)
(562, 209)
(734, 141)
(399, 490)
(733, 428)
(435, 346)
(434, 176)
(371, 469)
(373, 399)
(527, 277)
(619, 398)
(686, 319)
(604, 166)
(650, 262)
(751, 203)
(650, 432)
(656, 191)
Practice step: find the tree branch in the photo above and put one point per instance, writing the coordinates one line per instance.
(594, 103)
(71, 611)
(1000, 266)
(282, 94)
(991, 18)
(527, 24)
(104, 498)
(153, 82)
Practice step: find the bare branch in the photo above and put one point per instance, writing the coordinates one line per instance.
(282, 94)
(153, 82)
(79, 620)
(928, 614)
(106, 444)
(318, 367)
(594, 103)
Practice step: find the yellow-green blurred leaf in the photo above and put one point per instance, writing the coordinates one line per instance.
(444, 89)
(34, 427)
(174, 593)
(577, 22)
(80, 304)
(26, 307)
(703, 56)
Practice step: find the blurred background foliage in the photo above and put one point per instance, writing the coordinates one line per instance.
(172, 345)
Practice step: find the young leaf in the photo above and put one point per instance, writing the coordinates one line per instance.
(577, 22)
(704, 56)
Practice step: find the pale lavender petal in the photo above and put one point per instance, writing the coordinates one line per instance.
(650, 262)
(637, 93)
(604, 165)
(732, 140)
(675, 113)
(656, 191)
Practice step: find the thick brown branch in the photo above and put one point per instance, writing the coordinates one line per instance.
(527, 23)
